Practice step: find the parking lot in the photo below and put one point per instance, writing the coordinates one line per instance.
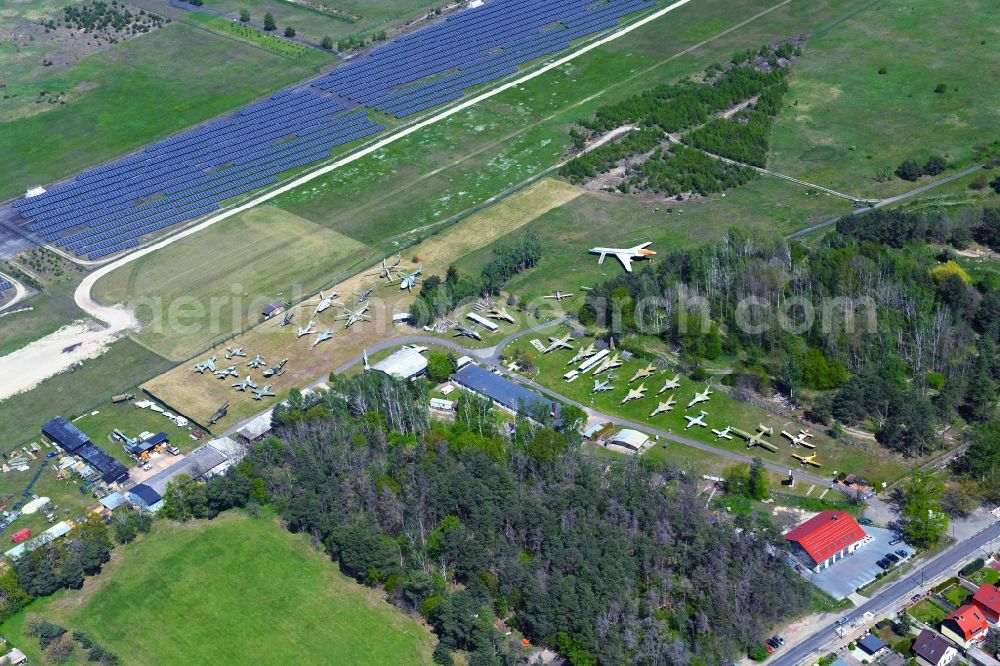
(850, 573)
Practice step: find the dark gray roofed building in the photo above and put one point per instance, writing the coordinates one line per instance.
(70, 438)
(500, 390)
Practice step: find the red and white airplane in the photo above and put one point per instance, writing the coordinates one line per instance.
(624, 255)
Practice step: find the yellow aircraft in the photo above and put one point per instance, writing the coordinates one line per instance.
(665, 406)
(757, 439)
(807, 460)
(634, 394)
(642, 373)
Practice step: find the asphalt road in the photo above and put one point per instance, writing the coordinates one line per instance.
(892, 597)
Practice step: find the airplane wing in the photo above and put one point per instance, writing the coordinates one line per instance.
(626, 261)
(767, 445)
(601, 259)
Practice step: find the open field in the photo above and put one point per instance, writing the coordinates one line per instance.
(51, 311)
(767, 204)
(845, 122)
(928, 612)
(986, 575)
(75, 392)
(198, 396)
(722, 411)
(206, 287)
(297, 602)
(134, 93)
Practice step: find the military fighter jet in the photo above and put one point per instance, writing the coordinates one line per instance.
(500, 313)
(696, 420)
(807, 460)
(324, 302)
(603, 386)
(322, 337)
(670, 384)
(467, 331)
(257, 362)
(219, 414)
(286, 320)
(608, 364)
(351, 317)
(700, 397)
(624, 255)
(207, 364)
(276, 370)
(758, 438)
(723, 434)
(409, 281)
(362, 296)
(558, 296)
(234, 351)
(388, 271)
(582, 354)
(634, 394)
(800, 439)
(667, 406)
(558, 343)
(265, 392)
(305, 330)
(642, 373)
(227, 372)
(245, 384)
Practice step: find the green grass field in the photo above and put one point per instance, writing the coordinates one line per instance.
(51, 311)
(134, 93)
(208, 286)
(272, 42)
(957, 595)
(124, 366)
(232, 591)
(986, 575)
(844, 122)
(722, 411)
(928, 612)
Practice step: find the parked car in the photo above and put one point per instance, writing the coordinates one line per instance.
(892, 557)
(902, 553)
(895, 541)
(772, 643)
(770, 650)
(778, 637)
(843, 620)
(866, 521)
(916, 597)
(883, 564)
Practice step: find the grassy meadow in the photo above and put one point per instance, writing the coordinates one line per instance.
(234, 590)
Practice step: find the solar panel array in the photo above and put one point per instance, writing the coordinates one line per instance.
(435, 65)
(4, 286)
(107, 209)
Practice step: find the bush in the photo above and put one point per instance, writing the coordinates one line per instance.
(757, 653)
(972, 567)
(327, 43)
(935, 165)
(289, 31)
(909, 170)
(941, 88)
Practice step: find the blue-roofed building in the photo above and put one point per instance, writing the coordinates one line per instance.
(507, 394)
(871, 645)
(112, 501)
(145, 497)
(70, 438)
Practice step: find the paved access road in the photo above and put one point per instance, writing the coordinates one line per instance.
(892, 597)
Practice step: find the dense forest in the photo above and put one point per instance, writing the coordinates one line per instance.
(483, 524)
(881, 331)
(655, 162)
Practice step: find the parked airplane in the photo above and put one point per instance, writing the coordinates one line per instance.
(388, 271)
(603, 386)
(624, 255)
(322, 337)
(724, 433)
(276, 370)
(558, 296)
(257, 362)
(607, 364)
(207, 364)
(351, 317)
(286, 320)
(757, 439)
(245, 384)
(700, 397)
(234, 351)
(634, 394)
(642, 373)
(558, 343)
(582, 354)
(305, 330)
(807, 460)
(500, 313)
(228, 372)
(670, 384)
(666, 406)
(410, 280)
(696, 420)
(363, 295)
(324, 302)
(265, 392)
(467, 331)
(219, 414)
(800, 439)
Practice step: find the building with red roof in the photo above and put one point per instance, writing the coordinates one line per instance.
(965, 626)
(987, 597)
(825, 538)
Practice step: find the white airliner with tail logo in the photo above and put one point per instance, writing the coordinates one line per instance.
(624, 255)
